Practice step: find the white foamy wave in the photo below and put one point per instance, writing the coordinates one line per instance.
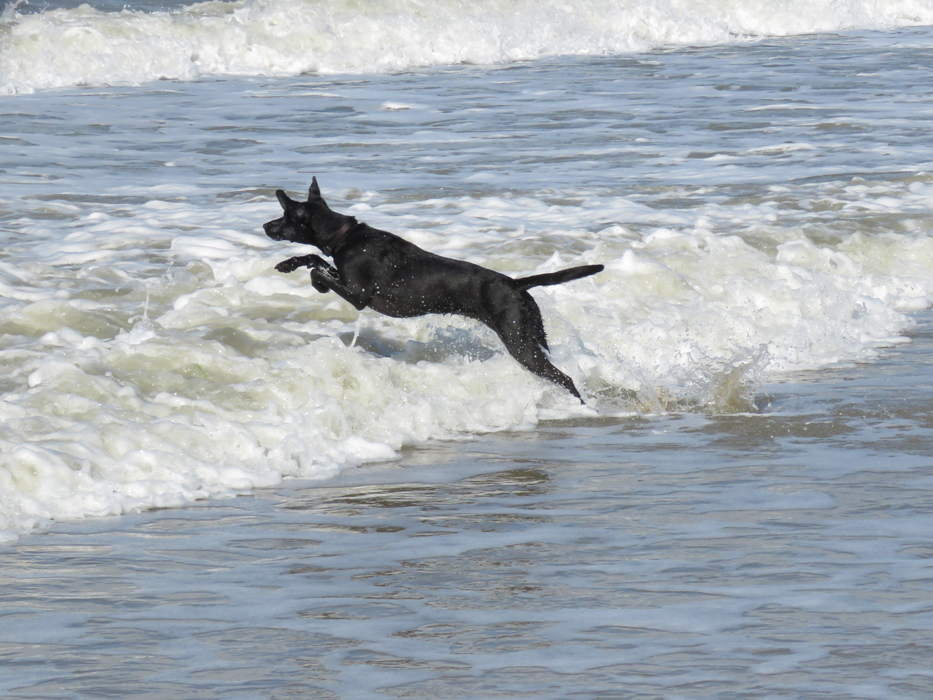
(83, 46)
(135, 380)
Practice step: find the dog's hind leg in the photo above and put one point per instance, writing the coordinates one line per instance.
(522, 333)
(532, 357)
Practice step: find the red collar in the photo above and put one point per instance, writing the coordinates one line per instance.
(338, 237)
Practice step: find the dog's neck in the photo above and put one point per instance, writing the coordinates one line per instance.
(331, 246)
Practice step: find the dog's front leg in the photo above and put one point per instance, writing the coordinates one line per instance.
(322, 281)
(325, 273)
(293, 264)
(356, 295)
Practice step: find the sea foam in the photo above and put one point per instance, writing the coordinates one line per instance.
(84, 46)
(221, 375)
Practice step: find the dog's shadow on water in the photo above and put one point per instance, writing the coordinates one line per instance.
(443, 343)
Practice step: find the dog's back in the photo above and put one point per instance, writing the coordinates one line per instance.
(411, 281)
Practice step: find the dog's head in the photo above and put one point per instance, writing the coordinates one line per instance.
(311, 222)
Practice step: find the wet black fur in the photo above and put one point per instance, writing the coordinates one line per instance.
(392, 276)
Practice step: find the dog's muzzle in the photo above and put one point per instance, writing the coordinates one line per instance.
(275, 229)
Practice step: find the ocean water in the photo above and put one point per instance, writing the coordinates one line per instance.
(779, 555)
(315, 502)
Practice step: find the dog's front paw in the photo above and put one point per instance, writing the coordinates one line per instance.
(289, 265)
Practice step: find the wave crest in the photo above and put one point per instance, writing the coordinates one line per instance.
(84, 46)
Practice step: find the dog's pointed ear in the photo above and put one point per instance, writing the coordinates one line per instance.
(283, 199)
(314, 192)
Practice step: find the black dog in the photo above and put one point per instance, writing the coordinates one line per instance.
(384, 272)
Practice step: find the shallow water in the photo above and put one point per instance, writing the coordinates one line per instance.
(780, 554)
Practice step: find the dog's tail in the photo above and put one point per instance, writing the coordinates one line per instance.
(559, 277)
